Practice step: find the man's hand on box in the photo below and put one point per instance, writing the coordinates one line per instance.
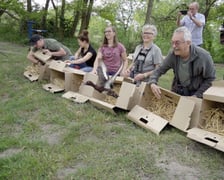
(46, 51)
(156, 90)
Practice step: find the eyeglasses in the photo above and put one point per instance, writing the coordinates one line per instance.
(176, 43)
(107, 31)
(148, 33)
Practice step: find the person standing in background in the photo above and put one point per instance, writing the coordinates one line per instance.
(194, 21)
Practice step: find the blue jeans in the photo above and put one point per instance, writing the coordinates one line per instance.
(77, 66)
(81, 66)
(87, 69)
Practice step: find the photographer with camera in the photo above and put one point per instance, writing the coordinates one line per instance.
(192, 66)
(194, 21)
(146, 58)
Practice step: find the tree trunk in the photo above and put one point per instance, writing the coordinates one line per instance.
(56, 15)
(208, 5)
(74, 23)
(62, 19)
(44, 17)
(86, 13)
(149, 12)
(29, 6)
(89, 11)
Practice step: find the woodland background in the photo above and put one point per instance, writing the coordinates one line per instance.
(64, 20)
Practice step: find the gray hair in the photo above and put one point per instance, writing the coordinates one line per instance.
(187, 33)
(195, 4)
(151, 27)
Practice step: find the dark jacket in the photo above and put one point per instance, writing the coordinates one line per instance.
(202, 71)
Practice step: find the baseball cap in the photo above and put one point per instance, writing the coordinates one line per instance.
(34, 39)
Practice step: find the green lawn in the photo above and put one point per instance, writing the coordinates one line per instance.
(45, 136)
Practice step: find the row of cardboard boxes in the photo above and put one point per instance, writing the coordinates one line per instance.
(201, 119)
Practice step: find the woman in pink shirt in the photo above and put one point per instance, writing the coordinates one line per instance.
(112, 53)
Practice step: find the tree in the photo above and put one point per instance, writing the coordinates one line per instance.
(44, 17)
(86, 11)
(56, 15)
(149, 11)
(29, 6)
(62, 19)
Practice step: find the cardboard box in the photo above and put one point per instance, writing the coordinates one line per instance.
(75, 97)
(127, 94)
(216, 92)
(44, 71)
(42, 56)
(84, 92)
(147, 119)
(154, 114)
(38, 72)
(209, 129)
(32, 72)
(89, 91)
(57, 77)
(73, 79)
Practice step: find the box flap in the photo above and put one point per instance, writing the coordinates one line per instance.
(211, 139)
(214, 93)
(127, 99)
(146, 119)
(195, 117)
(119, 79)
(75, 97)
(220, 145)
(103, 105)
(182, 116)
(31, 76)
(75, 71)
(89, 90)
(52, 88)
(41, 56)
(73, 81)
(57, 65)
(44, 72)
(90, 77)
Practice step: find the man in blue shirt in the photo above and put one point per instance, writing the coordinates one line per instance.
(194, 21)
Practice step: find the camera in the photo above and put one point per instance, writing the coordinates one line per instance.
(183, 12)
(139, 67)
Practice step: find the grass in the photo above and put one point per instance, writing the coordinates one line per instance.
(45, 136)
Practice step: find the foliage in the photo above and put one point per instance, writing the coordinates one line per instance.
(127, 16)
(212, 33)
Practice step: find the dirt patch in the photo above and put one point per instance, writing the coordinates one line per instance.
(63, 173)
(52, 134)
(175, 170)
(10, 48)
(10, 152)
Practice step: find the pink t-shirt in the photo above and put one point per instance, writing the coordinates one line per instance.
(112, 57)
